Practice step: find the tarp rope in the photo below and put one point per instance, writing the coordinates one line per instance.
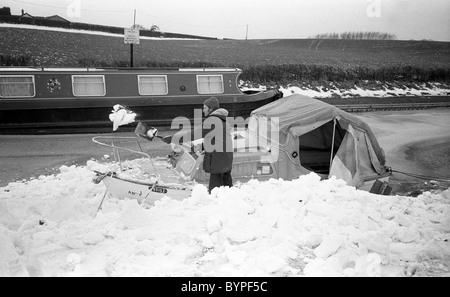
(425, 177)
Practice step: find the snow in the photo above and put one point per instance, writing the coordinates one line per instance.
(429, 89)
(433, 89)
(50, 226)
(55, 29)
(53, 226)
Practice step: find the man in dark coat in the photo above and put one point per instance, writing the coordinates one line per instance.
(217, 144)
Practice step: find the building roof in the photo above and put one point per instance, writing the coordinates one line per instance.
(27, 15)
(57, 18)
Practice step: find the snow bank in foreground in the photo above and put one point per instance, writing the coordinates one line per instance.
(305, 227)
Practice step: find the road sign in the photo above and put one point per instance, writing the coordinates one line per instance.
(131, 36)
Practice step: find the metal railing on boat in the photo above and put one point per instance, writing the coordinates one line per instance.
(117, 149)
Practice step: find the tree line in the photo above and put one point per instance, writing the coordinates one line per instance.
(5, 11)
(358, 36)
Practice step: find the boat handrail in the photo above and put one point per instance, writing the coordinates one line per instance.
(37, 68)
(210, 69)
(185, 69)
(96, 139)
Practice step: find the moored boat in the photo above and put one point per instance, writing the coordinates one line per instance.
(286, 139)
(299, 135)
(77, 99)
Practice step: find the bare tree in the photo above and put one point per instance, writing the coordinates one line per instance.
(357, 35)
(154, 28)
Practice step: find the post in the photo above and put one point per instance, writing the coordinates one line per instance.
(131, 36)
(332, 141)
(131, 44)
(131, 55)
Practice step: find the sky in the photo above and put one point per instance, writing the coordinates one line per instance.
(257, 19)
(53, 225)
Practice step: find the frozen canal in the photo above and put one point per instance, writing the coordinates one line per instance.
(416, 141)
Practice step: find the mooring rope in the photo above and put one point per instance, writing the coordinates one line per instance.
(424, 177)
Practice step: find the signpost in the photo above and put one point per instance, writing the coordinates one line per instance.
(131, 36)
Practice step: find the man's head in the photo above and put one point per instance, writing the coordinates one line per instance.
(210, 105)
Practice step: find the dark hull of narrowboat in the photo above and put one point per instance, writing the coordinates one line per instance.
(92, 116)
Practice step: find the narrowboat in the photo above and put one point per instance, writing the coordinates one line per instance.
(80, 99)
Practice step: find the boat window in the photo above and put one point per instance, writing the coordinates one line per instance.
(152, 84)
(12, 86)
(88, 85)
(210, 84)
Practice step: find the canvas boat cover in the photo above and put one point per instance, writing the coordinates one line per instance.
(313, 133)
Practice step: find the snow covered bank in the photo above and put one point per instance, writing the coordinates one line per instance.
(430, 89)
(305, 227)
(381, 90)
